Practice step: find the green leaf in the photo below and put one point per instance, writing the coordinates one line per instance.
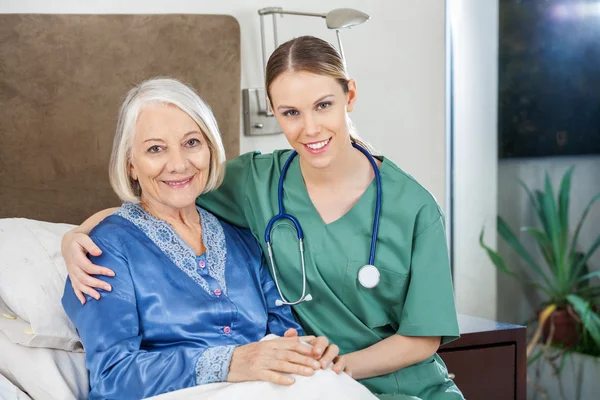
(563, 206)
(545, 245)
(579, 273)
(496, 258)
(590, 293)
(532, 199)
(554, 231)
(564, 360)
(537, 286)
(514, 243)
(534, 357)
(542, 214)
(595, 274)
(589, 319)
(580, 224)
(579, 266)
(501, 265)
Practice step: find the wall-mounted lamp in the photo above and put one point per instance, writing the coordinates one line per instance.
(258, 119)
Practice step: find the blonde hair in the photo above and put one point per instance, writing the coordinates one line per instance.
(161, 91)
(314, 55)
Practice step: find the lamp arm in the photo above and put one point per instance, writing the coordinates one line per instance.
(272, 11)
(267, 110)
(278, 10)
(339, 39)
(263, 44)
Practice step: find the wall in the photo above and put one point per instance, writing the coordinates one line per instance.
(397, 59)
(513, 205)
(475, 50)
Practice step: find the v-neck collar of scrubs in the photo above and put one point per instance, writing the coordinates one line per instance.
(297, 180)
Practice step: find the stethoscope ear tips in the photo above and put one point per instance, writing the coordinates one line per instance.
(308, 297)
(278, 303)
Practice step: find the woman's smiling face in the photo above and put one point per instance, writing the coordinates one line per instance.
(170, 157)
(312, 112)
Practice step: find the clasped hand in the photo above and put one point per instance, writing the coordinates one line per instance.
(272, 360)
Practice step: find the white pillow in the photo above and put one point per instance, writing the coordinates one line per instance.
(32, 279)
(46, 374)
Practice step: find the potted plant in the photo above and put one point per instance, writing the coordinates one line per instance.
(569, 314)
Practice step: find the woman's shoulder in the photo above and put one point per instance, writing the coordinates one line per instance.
(404, 183)
(403, 188)
(116, 228)
(243, 234)
(261, 162)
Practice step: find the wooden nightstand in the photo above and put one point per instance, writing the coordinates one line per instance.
(489, 360)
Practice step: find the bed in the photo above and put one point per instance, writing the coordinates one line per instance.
(62, 81)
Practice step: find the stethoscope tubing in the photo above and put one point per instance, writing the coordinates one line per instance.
(300, 234)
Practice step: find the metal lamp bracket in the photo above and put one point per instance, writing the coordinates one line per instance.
(257, 121)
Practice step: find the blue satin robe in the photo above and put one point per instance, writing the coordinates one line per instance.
(172, 319)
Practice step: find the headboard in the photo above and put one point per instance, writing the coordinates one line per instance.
(62, 81)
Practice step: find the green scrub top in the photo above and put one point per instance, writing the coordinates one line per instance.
(414, 296)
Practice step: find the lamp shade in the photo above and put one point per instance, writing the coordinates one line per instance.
(345, 18)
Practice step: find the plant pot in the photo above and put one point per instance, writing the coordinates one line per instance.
(565, 328)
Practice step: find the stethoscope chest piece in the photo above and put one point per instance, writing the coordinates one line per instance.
(368, 276)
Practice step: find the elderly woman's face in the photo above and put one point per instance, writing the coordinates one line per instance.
(170, 157)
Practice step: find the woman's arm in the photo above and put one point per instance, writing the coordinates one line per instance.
(90, 223)
(110, 332)
(74, 247)
(427, 316)
(228, 201)
(391, 354)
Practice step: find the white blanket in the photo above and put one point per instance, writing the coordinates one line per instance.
(324, 384)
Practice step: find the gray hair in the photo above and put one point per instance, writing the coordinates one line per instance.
(161, 91)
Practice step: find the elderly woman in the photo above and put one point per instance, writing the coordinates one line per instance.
(191, 295)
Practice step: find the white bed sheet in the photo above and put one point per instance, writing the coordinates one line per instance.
(44, 373)
(8, 391)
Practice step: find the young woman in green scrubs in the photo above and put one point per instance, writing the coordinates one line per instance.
(388, 334)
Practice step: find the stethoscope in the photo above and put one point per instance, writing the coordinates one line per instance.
(368, 275)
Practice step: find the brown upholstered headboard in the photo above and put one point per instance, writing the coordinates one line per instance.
(62, 81)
